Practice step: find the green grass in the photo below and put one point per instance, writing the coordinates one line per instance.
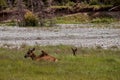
(73, 19)
(84, 18)
(8, 23)
(59, 7)
(103, 20)
(89, 64)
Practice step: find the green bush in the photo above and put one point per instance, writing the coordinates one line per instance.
(30, 19)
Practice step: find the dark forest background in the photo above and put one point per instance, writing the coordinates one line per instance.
(33, 12)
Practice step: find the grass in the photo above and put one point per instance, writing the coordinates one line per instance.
(7, 23)
(103, 20)
(59, 7)
(84, 18)
(89, 64)
(73, 19)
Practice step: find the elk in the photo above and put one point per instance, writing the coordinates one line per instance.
(43, 56)
(74, 50)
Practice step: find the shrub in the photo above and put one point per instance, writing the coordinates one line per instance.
(30, 19)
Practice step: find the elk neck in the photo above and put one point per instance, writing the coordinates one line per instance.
(33, 56)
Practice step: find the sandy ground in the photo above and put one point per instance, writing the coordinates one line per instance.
(66, 35)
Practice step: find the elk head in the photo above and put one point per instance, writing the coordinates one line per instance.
(30, 53)
(74, 50)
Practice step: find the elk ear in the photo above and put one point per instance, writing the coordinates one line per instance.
(33, 49)
(43, 52)
(74, 50)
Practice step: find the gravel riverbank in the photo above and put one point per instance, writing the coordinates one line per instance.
(85, 37)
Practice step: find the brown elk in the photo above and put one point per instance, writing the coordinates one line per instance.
(43, 56)
(74, 50)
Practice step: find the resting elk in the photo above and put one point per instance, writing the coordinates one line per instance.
(43, 56)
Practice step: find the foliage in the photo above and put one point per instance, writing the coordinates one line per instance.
(3, 3)
(93, 2)
(116, 2)
(41, 6)
(30, 19)
(60, 2)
